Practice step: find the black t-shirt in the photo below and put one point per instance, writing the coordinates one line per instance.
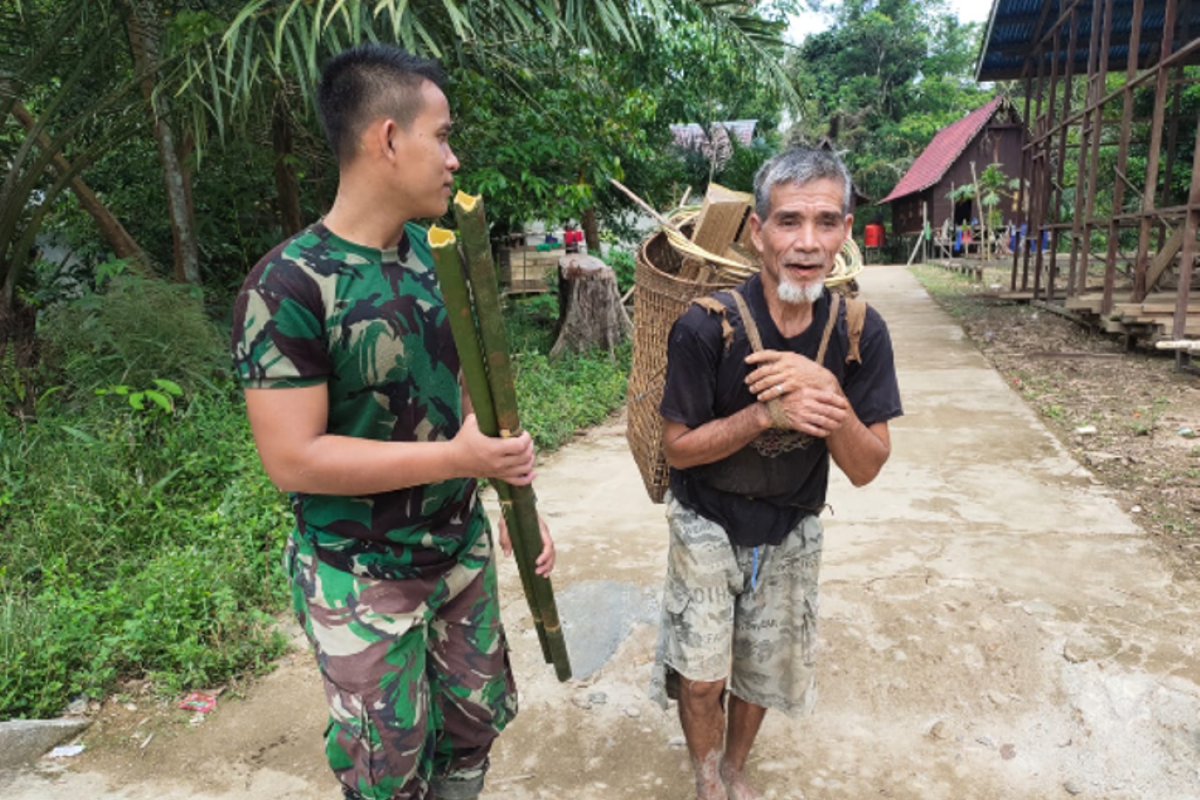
(705, 381)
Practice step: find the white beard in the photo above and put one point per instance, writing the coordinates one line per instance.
(800, 294)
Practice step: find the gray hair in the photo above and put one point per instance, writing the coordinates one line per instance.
(800, 165)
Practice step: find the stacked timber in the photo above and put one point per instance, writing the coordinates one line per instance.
(1152, 320)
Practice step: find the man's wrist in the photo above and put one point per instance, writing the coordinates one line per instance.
(456, 459)
(761, 416)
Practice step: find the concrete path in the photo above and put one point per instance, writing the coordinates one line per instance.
(993, 627)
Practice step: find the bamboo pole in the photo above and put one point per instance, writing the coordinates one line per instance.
(447, 263)
(481, 274)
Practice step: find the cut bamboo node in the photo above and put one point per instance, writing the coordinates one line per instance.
(441, 237)
(466, 201)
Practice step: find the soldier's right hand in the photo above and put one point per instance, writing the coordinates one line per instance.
(507, 459)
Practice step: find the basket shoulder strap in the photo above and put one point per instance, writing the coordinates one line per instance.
(747, 320)
(835, 300)
(774, 407)
(714, 306)
(856, 317)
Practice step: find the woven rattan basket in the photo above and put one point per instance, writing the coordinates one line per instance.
(660, 298)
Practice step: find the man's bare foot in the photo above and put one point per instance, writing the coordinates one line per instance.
(709, 781)
(736, 785)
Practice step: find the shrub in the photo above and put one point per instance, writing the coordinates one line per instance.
(137, 330)
(624, 265)
(134, 547)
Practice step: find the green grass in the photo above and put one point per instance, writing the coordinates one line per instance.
(144, 543)
(557, 398)
(134, 547)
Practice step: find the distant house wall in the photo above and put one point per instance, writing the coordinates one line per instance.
(906, 213)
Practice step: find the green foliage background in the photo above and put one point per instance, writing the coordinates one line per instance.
(881, 81)
(145, 542)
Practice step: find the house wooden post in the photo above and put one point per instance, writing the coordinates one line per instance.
(1172, 142)
(1094, 125)
(1064, 130)
(1022, 203)
(1040, 168)
(1049, 208)
(1190, 226)
(1118, 201)
(1105, 43)
(924, 228)
(1083, 186)
(1152, 157)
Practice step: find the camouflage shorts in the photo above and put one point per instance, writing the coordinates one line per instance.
(726, 617)
(416, 673)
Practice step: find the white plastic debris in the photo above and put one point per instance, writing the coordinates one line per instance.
(65, 751)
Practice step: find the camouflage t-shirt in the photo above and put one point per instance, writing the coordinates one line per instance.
(370, 325)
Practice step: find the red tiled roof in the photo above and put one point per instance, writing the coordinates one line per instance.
(942, 152)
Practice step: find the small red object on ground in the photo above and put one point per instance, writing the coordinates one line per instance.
(198, 701)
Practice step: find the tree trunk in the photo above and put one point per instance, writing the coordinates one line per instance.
(591, 230)
(145, 36)
(109, 226)
(287, 188)
(184, 155)
(590, 310)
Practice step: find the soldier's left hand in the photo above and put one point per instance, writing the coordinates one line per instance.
(545, 562)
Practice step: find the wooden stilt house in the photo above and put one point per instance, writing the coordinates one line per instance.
(992, 134)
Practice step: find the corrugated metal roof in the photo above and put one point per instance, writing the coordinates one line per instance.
(943, 151)
(1016, 26)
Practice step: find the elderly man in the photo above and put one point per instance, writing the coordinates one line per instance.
(764, 384)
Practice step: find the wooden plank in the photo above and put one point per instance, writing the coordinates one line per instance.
(1114, 326)
(1164, 257)
(1162, 329)
(1192, 345)
(1086, 302)
(1151, 309)
(719, 223)
(529, 287)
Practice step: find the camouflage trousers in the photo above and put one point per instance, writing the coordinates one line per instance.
(416, 673)
(745, 615)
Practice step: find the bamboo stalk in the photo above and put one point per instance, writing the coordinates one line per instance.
(525, 567)
(448, 266)
(481, 274)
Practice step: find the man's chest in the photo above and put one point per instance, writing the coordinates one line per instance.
(387, 335)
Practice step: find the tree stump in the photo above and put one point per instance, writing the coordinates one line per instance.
(590, 312)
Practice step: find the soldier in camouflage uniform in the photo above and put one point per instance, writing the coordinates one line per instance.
(762, 389)
(342, 344)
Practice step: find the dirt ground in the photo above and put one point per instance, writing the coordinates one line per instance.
(1009, 612)
(1132, 418)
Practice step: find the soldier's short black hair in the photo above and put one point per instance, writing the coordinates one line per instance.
(366, 82)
